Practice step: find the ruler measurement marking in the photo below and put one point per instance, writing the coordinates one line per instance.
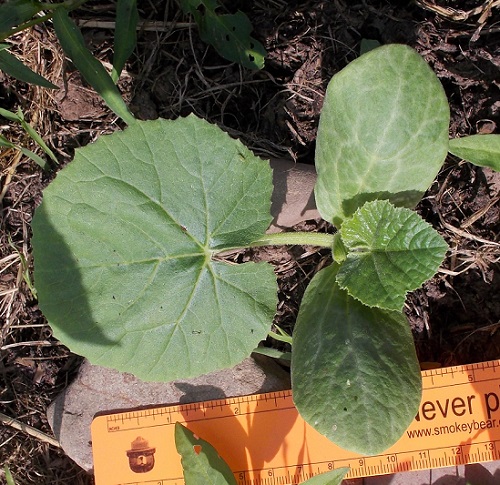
(413, 457)
(204, 418)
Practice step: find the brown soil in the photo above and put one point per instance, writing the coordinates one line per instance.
(455, 316)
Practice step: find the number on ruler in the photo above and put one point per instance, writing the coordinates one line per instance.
(392, 458)
(457, 451)
(361, 462)
(489, 446)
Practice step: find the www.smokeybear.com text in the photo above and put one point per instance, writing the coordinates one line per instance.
(453, 428)
(483, 406)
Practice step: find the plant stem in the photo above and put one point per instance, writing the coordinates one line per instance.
(294, 238)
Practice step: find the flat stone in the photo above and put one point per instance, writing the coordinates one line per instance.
(98, 390)
(293, 195)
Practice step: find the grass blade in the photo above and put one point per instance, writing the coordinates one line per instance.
(125, 35)
(35, 136)
(10, 115)
(92, 70)
(36, 158)
(8, 476)
(4, 142)
(15, 12)
(15, 68)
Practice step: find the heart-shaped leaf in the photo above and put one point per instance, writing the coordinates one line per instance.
(391, 250)
(481, 150)
(383, 132)
(355, 373)
(201, 464)
(124, 243)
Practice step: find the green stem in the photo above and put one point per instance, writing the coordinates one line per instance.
(295, 238)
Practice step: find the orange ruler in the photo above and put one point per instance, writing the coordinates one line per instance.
(266, 442)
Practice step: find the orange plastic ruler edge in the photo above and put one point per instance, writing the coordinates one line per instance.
(266, 442)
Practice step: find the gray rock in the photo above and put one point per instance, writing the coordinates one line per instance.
(293, 195)
(98, 389)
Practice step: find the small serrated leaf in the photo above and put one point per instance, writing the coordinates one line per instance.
(355, 373)
(391, 250)
(481, 150)
(201, 463)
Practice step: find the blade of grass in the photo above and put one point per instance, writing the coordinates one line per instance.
(4, 142)
(15, 68)
(10, 115)
(36, 158)
(8, 476)
(19, 118)
(15, 12)
(35, 136)
(92, 70)
(125, 35)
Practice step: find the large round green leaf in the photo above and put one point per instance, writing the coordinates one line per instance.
(123, 245)
(391, 250)
(355, 373)
(383, 132)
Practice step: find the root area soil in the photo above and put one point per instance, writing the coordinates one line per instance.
(455, 316)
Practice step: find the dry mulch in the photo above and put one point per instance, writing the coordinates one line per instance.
(455, 316)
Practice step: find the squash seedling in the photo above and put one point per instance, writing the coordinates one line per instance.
(126, 237)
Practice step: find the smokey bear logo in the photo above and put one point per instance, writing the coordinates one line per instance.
(141, 457)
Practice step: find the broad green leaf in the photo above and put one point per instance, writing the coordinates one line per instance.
(11, 65)
(16, 12)
(125, 35)
(383, 132)
(481, 150)
(92, 70)
(355, 373)
(201, 463)
(229, 34)
(334, 477)
(391, 250)
(124, 243)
